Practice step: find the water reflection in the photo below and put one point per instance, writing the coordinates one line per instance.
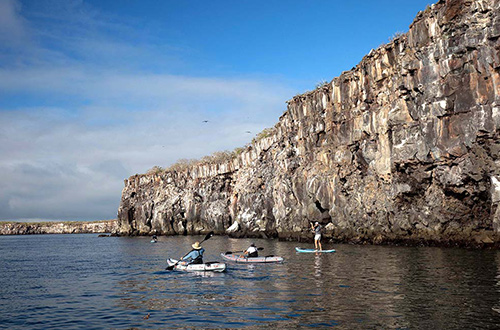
(317, 265)
(118, 282)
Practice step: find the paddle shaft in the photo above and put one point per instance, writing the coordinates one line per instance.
(232, 252)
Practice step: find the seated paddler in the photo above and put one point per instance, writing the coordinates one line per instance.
(195, 256)
(251, 252)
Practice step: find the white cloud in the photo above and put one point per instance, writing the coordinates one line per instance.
(66, 164)
(108, 119)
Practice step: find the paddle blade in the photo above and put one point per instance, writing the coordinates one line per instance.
(260, 248)
(210, 234)
(171, 267)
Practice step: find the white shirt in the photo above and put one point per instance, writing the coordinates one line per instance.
(251, 249)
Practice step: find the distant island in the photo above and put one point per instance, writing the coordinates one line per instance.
(54, 227)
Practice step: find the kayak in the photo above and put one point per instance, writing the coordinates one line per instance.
(153, 241)
(301, 250)
(238, 258)
(206, 267)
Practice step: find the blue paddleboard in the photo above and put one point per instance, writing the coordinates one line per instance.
(301, 250)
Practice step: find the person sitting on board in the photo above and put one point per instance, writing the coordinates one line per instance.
(317, 235)
(154, 238)
(195, 256)
(251, 252)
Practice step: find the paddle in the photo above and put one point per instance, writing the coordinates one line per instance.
(232, 252)
(210, 234)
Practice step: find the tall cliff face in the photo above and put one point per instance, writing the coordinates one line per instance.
(403, 147)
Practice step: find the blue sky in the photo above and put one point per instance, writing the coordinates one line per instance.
(94, 91)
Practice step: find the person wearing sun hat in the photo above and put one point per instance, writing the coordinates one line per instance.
(195, 256)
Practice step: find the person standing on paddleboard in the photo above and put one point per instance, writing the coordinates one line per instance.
(195, 256)
(251, 252)
(317, 235)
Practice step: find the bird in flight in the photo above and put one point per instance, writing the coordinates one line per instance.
(248, 132)
(205, 121)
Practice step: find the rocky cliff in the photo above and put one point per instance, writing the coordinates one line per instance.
(403, 148)
(69, 227)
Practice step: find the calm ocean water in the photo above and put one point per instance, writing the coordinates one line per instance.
(86, 282)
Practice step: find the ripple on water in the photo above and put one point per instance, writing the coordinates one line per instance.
(79, 281)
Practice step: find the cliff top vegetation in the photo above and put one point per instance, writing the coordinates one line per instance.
(218, 157)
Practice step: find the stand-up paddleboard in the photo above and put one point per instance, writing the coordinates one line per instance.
(301, 250)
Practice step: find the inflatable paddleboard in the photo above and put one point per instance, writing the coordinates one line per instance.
(301, 250)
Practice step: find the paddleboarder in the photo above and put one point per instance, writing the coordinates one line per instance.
(317, 235)
(195, 256)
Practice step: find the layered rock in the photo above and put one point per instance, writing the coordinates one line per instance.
(69, 227)
(404, 147)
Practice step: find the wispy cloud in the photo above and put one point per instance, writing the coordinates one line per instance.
(12, 25)
(77, 117)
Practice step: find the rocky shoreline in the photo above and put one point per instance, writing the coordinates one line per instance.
(67, 227)
(403, 149)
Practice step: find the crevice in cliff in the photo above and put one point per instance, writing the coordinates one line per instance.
(319, 207)
(130, 215)
(184, 225)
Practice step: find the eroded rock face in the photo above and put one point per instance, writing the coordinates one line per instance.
(402, 148)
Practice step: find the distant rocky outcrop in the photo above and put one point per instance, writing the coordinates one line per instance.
(68, 227)
(403, 148)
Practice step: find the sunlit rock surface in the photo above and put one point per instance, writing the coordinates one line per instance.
(402, 148)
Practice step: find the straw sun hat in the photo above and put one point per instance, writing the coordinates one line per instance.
(196, 246)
